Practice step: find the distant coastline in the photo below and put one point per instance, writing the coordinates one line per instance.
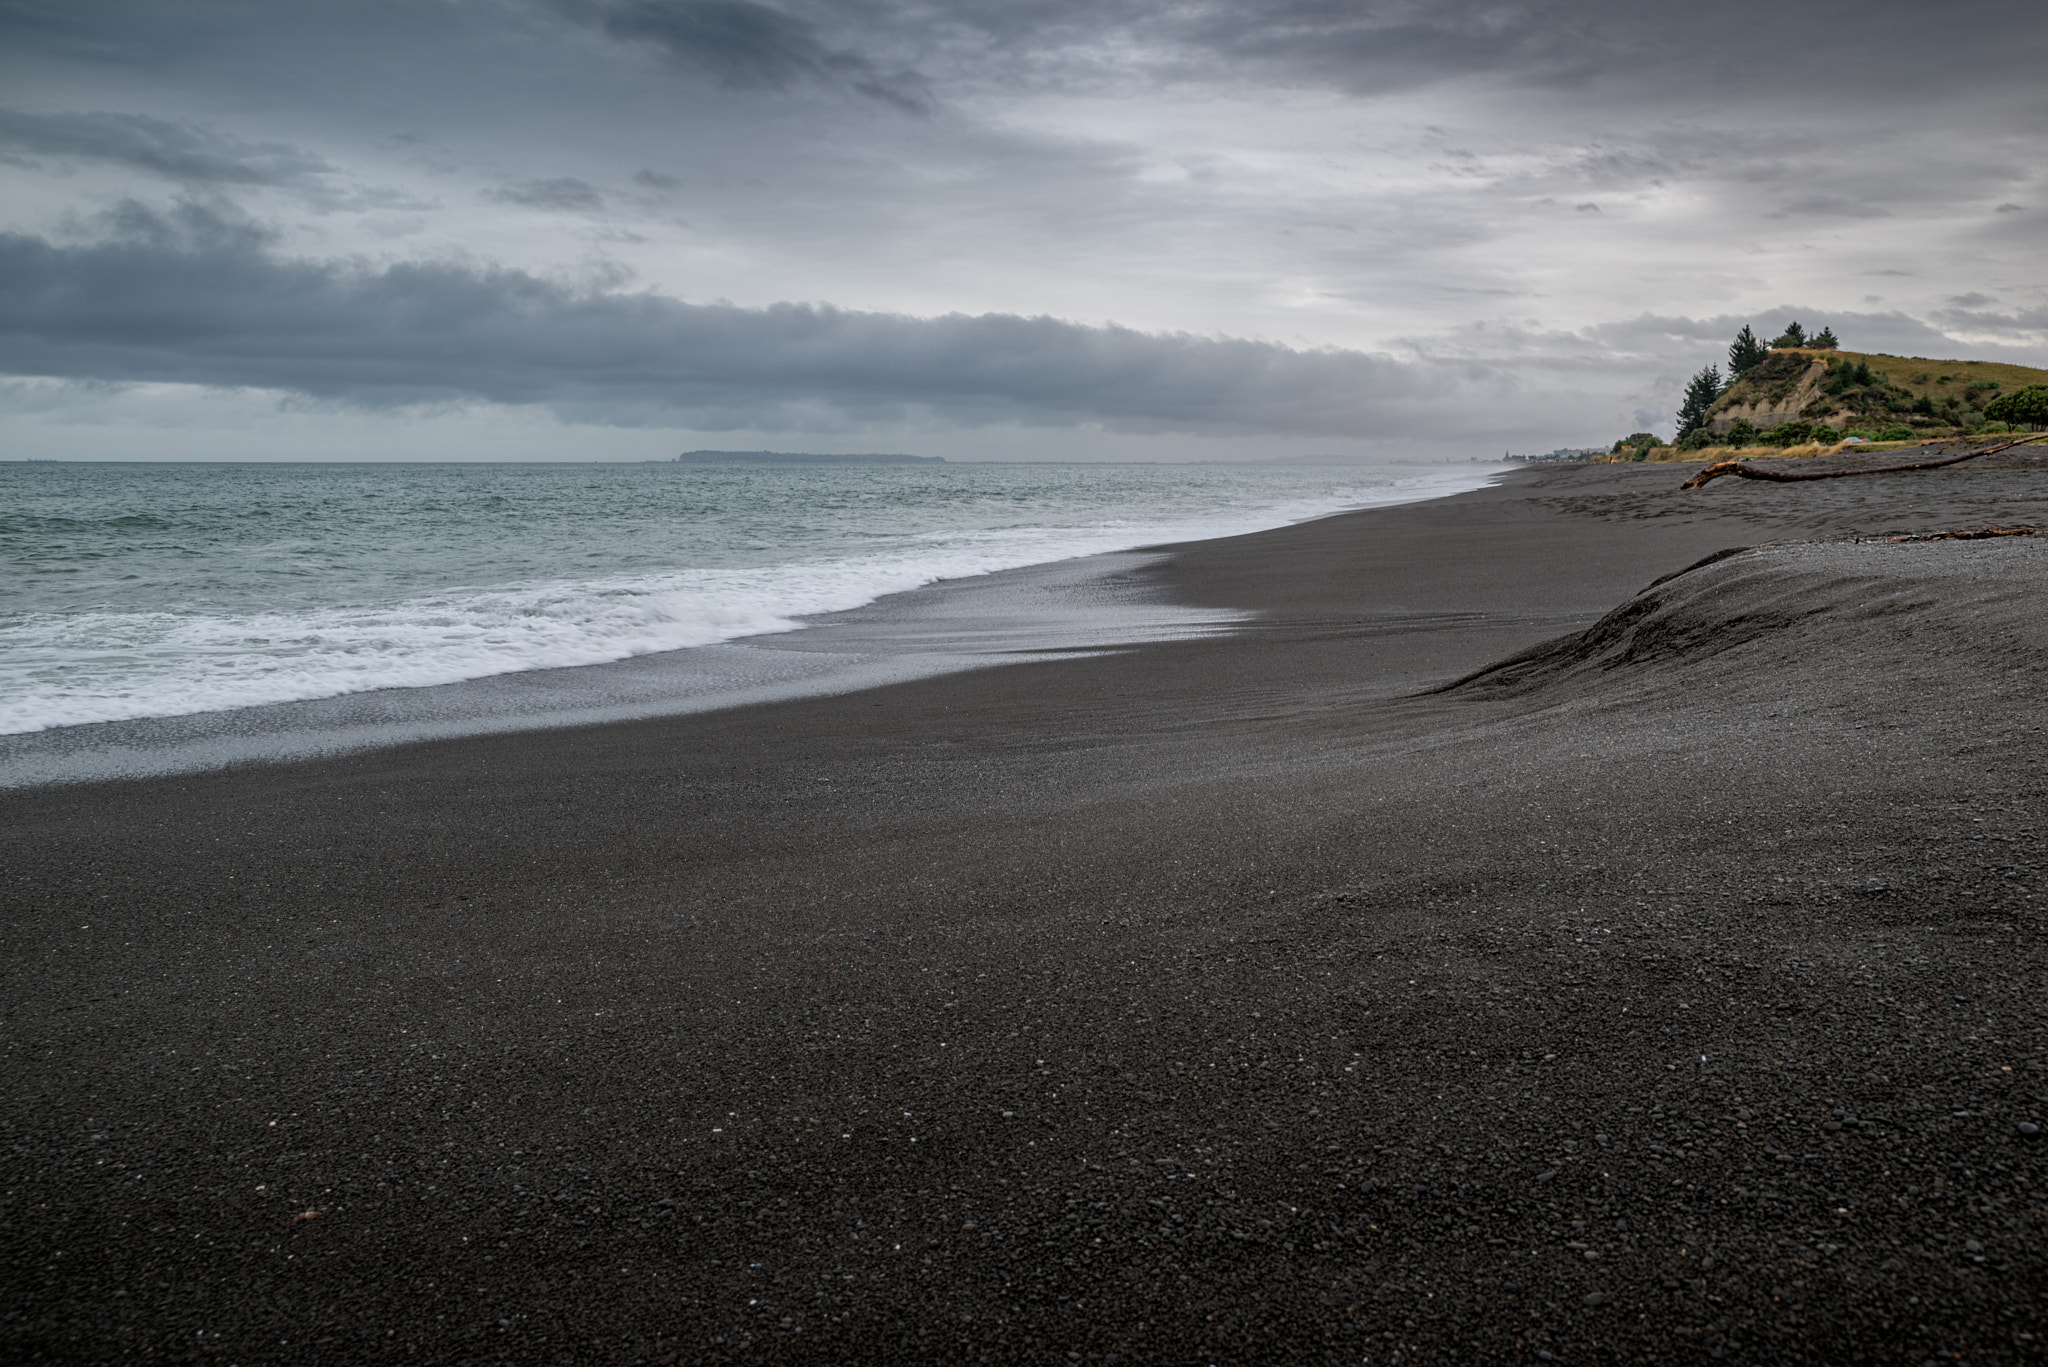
(800, 458)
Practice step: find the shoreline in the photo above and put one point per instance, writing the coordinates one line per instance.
(1040, 609)
(1670, 993)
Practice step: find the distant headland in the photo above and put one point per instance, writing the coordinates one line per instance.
(800, 458)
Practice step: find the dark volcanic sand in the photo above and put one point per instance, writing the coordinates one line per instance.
(1675, 992)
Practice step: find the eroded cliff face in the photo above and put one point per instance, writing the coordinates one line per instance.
(1786, 385)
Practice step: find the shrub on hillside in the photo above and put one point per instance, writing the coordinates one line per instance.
(1741, 433)
(1898, 431)
(1847, 375)
(1788, 433)
(1824, 434)
(1637, 445)
(2028, 407)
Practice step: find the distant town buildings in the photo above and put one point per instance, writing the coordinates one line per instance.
(1560, 455)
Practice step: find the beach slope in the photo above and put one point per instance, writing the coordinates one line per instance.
(1314, 993)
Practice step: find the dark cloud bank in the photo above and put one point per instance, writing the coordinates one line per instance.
(909, 52)
(197, 297)
(892, 48)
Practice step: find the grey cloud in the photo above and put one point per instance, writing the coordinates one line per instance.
(1629, 167)
(2011, 209)
(1893, 332)
(1669, 55)
(656, 180)
(564, 194)
(1021, 198)
(1598, 48)
(195, 298)
(187, 227)
(1679, 344)
(1661, 57)
(408, 225)
(1649, 358)
(1351, 44)
(1377, 46)
(1831, 206)
(176, 151)
(745, 46)
(2018, 328)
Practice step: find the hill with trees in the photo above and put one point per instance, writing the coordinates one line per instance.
(1800, 390)
(1835, 393)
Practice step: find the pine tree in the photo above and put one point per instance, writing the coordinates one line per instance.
(1700, 394)
(1824, 340)
(1744, 352)
(1793, 335)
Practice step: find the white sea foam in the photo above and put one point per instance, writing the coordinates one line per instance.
(107, 664)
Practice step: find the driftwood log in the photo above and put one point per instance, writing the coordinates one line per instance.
(1742, 469)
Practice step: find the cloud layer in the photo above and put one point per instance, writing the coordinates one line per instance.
(1469, 220)
(196, 298)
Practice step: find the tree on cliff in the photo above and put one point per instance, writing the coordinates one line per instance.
(1824, 340)
(1700, 394)
(1744, 352)
(1793, 335)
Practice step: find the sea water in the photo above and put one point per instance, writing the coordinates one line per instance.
(159, 590)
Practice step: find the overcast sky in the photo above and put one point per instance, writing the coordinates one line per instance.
(982, 228)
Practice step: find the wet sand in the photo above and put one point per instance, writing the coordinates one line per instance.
(1674, 991)
(1046, 611)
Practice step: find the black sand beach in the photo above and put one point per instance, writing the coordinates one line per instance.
(1675, 992)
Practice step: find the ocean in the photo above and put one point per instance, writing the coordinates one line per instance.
(160, 590)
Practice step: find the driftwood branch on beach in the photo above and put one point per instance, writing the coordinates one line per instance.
(1744, 470)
